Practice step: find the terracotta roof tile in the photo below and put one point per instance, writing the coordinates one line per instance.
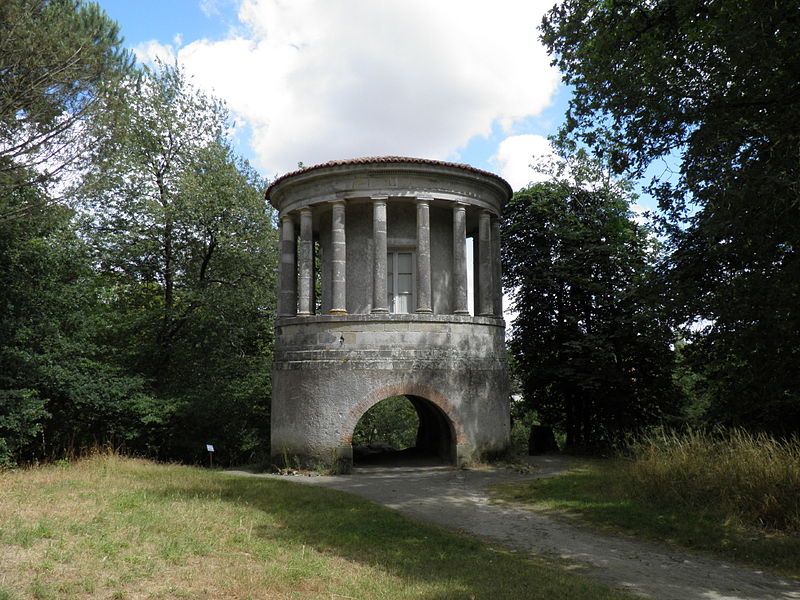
(387, 159)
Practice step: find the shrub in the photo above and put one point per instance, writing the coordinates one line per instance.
(22, 413)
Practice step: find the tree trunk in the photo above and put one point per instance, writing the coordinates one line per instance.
(165, 336)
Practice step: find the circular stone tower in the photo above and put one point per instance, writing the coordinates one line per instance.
(373, 302)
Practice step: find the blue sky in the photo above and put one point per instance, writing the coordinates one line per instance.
(316, 80)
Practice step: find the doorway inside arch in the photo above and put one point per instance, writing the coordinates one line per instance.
(404, 431)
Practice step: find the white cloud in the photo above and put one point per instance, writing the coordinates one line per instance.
(210, 8)
(319, 80)
(516, 154)
(148, 52)
(640, 213)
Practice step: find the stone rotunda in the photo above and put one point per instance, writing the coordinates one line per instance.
(387, 310)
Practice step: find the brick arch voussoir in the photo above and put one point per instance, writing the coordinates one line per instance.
(404, 389)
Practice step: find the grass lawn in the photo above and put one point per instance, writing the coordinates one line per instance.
(118, 528)
(597, 492)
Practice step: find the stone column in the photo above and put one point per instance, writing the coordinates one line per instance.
(338, 260)
(306, 291)
(485, 285)
(380, 301)
(423, 256)
(460, 302)
(476, 275)
(497, 268)
(287, 300)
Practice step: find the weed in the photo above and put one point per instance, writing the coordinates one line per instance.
(41, 591)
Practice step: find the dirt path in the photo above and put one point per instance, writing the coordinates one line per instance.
(458, 499)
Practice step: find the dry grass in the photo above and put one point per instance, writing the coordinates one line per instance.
(116, 528)
(731, 494)
(752, 479)
(122, 528)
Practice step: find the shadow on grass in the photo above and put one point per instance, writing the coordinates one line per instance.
(593, 493)
(358, 530)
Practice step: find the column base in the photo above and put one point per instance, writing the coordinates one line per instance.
(424, 311)
(380, 311)
(464, 313)
(338, 312)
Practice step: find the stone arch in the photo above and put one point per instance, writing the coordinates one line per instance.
(404, 389)
(434, 410)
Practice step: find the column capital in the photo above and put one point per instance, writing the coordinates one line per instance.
(383, 199)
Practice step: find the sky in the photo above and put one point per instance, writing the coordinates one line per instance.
(309, 81)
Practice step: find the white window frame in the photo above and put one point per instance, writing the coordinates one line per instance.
(392, 272)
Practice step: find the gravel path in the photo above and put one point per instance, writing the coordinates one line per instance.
(458, 499)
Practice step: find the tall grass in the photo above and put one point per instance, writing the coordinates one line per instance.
(749, 479)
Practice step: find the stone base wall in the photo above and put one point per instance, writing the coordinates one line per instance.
(329, 370)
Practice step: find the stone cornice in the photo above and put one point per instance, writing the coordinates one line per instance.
(363, 178)
(389, 318)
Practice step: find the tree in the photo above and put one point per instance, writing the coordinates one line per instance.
(57, 59)
(58, 390)
(392, 421)
(592, 348)
(152, 329)
(60, 60)
(717, 83)
(186, 243)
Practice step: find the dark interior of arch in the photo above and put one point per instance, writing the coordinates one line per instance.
(434, 443)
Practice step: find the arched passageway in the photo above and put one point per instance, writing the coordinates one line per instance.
(404, 431)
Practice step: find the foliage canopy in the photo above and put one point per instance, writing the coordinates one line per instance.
(714, 87)
(591, 347)
(142, 315)
(58, 58)
(183, 237)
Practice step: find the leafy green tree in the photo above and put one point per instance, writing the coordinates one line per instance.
(152, 329)
(58, 391)
(392, 421)
(186, 243)
(22, 414)
(716, 84)
(57, 59)
(590, 341)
